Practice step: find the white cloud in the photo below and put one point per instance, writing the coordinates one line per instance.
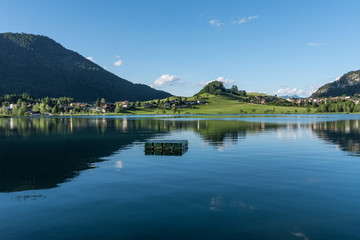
(241, 21)
(295, 91)
(300, 235)
(166, 79)
(117, 56)
(253, 17)
(203, 14)
(314, 44)
(245, 19)
(118, 164)
(227, 82)
(118, 63)
(290, 92)
(216, 22)
(91, 59)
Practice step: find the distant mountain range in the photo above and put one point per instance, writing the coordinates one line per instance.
(348, 84)
(290, 96)
(40, 66)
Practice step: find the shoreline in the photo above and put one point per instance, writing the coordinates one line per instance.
(180, 115)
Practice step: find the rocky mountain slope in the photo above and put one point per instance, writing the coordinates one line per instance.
(348, 84)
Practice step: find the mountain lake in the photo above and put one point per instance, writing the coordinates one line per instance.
(242, 177)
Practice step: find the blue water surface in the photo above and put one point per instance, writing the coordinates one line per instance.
(242, 177)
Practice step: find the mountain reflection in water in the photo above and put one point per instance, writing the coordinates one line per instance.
(40, 153)
(343, 134)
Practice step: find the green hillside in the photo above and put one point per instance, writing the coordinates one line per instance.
(40, 66)
(220, 104)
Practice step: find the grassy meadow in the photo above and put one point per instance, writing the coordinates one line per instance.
(220, 104)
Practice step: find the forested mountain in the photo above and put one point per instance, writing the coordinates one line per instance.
(40, 66)
(348, 84)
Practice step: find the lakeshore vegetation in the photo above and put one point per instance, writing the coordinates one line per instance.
(214, 98)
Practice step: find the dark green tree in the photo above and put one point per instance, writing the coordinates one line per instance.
(97, 103)
(55, 109)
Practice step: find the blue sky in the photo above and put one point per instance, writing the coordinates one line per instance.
(273, 47)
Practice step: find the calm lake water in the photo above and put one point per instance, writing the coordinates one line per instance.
(273, 177)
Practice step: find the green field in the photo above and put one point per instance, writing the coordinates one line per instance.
(215, 104)
(219, 104)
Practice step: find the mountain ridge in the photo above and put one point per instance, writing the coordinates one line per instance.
(347, 84)
(290, 96)
(42, 67)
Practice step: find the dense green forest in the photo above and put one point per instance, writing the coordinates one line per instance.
(24, 103)
(217, 88)
(42, 67)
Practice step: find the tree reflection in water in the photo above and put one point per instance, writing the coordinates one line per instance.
(40, 153)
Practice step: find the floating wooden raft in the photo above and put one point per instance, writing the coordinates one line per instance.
(166, 147)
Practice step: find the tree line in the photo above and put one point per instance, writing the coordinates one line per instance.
(217, 88)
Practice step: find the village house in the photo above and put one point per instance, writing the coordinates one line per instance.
(108, 107)
(33, 113)
(96, 109)
(148, 105)
(83, 105)
(167, 105)
(125, 104)
(13, 105)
